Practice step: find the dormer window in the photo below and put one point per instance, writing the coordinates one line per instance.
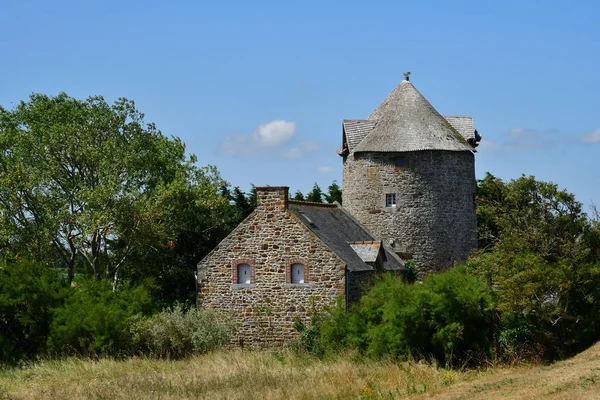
(390, 200)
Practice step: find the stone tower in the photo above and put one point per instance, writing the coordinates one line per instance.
(409, 177)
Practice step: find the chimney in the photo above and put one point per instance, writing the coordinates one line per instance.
(272, 197)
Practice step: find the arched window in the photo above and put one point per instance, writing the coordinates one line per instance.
(297, 271)
(243, 274)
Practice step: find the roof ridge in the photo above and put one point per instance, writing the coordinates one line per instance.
(311, 203)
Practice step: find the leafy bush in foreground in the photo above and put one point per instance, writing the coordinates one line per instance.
(95, 320)
(29, 293)
(176, 333)
(446, 316)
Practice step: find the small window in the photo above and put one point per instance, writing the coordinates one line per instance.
(243, 271)
(297, 272)
(401, 162)
(390, 200)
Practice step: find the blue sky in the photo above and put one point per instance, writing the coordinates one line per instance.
(260, 88)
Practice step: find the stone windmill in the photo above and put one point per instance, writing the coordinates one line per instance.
(409, 177)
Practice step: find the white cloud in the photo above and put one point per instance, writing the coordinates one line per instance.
(593, 137)
(325, 169)
(271, 136)
(275, 133)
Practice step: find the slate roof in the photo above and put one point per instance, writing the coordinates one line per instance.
(463, 124)
(354, 130)
(406, 121)
(338, 229)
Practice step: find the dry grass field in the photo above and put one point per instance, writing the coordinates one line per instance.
(265, 375)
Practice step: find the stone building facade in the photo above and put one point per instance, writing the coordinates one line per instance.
(408, 193)
(274, 268)
(409, 178)
(432, 218)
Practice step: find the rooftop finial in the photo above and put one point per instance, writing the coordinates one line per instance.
(407, 76)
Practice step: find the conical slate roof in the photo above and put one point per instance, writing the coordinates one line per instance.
(406, 121)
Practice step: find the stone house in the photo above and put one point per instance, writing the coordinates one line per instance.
(286, 258)
(408, 193)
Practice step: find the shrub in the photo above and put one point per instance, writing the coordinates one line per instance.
(29, 293)
(447, 316)
(555, 306)
(95, 320)
(176, 333)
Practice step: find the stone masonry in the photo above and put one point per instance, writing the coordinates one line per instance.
(270, 240)
(433, 221)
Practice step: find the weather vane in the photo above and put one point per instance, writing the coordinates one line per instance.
(407, 75)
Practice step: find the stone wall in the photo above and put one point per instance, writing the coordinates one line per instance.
(434, 221)
(270, 240)
(360, 282)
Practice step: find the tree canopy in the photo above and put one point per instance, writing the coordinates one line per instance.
(540, 252)
(91, 187)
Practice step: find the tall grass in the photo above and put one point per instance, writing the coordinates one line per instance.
(232, 374)
(237, 374)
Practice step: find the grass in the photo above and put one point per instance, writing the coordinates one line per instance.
(284, 375)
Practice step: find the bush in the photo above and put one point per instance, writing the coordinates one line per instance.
(554, 306)
(29, 293)
(95, 320)
(175, 333)
(447, 316)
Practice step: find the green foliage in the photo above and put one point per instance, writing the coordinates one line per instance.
(518, 333)
(298, 196)
(334, 193)
(315, 195)
(252, 197)
(92, 187)
(412, 272)
(176, 333)
(540, 253)
(95, 320)
(29, 294)
(445, 316)
(526, 215)
(242, 202)
(560, 300)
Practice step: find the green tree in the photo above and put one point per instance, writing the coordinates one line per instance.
(88, 185)
(252, 197)
(530, 215)
(539, 251)
(315, 195)
(242, 202)
(334, 193)
(298, 196)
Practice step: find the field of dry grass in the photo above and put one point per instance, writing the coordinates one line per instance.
(264, 375)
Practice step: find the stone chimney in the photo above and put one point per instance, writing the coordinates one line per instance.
(271, 197)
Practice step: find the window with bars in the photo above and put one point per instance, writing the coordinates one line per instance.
(390, 200)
